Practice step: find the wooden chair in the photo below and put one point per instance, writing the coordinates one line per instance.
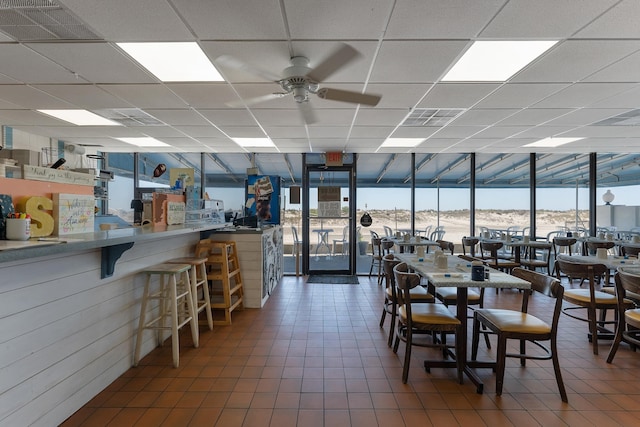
(418, 294)
(446, 246)
(522, 326)
(589, 299)
(490, 255)
(423, 319)
(628, 327)
(629, 250)
(561, 245)
(592, 247)
(376, 257)
(537, 257)
(470, 244)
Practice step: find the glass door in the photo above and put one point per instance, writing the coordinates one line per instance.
(328, 220)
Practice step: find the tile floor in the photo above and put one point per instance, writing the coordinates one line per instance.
(315, 356)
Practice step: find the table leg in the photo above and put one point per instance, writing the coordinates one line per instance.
(461, 313)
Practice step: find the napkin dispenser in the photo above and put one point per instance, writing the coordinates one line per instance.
(601, 253)
(477, 271)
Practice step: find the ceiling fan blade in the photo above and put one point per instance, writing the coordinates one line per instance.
(349, 96)
(233, 62)
(256, 100)
(308, 115)
(337, 59)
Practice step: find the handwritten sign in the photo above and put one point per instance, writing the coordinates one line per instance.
(175, 213)
(73, 213)
(39, 173)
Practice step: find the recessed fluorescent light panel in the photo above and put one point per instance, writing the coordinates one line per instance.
(552, 142)
(174, 62)
(144, 142)
(254, 142)
(402, 142)
(79, 117)
(496, 61)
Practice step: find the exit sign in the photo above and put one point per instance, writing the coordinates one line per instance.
(333, 158)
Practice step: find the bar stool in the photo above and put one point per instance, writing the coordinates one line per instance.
(173, 294)
(198, 279)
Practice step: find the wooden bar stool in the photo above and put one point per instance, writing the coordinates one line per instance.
(175, 304)
(198, 279)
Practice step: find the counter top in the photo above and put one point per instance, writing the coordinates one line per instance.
(112, 242)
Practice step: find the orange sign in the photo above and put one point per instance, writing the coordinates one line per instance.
(333, 158)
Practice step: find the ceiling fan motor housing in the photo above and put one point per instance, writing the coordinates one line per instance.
(295, 80)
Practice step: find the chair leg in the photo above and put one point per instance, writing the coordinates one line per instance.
(407, 358)
(392, 325)
(593, 326)
(616, 340)
(556, 369)
(475, 338)
(384, 312)
(500, 363)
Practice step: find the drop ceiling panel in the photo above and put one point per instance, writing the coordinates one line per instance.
(458, 131)
(626, 99)
(336, 19)
(243, 131)
(329, 132)
(380, 117)
(124, 20)
(414, 61)
(620, 21)
(624, 70)
(228, 117)
(519, 95)
(456, 95)
(583, 95)
(30, 98)
(534, 116)
(277, 132)
(398, 95)
(454, 19)
(200, 131)
(281, 117)
(483, 117)
(236, 20)
(145, 95)
(573, 60)
(353, 71)
(95, 62)
(585, 116)
(416, 131)
(24, 65)
(375, 132)
(499, 132)
(84, 96)
(604, 131)
(544, 18)
(178, 117)
(540, 132)
(198, 95)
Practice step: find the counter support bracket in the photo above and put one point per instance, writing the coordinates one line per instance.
(111, 254)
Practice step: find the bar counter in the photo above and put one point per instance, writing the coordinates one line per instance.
(69, 313)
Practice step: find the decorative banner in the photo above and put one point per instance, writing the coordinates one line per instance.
(39, 173)
(73, 213)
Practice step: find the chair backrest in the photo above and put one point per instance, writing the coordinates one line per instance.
(374, 234)
(627, 280)
(599, 245)
(545, 285)
(630, 250)
(203, 248)
(376, 246)
(405, 281)
(294, 231)
(446, 245)
(438, 233)
(345, 233)
(471, 258)
(388, 262)
(469, 242)
(491, 248)
(388, 232)
(563, 242)
(581, 270)
(386, 245)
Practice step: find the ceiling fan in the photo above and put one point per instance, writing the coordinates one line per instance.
(300, 80)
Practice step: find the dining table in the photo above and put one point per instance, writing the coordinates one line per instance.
(458, 275)
(323, 238)
(412, 242)
(518, 244)
(612, 262)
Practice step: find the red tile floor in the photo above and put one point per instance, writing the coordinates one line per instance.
(315, 356)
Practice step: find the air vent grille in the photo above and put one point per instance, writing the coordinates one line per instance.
(130, 117)
(432, 117)
(31, 20)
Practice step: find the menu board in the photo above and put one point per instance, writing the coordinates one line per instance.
(73, 213)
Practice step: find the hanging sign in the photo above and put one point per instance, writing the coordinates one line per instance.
(366, 220)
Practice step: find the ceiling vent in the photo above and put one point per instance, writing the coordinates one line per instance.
(130, 117)
(630, 118)
(433, 117)
(31, 20)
